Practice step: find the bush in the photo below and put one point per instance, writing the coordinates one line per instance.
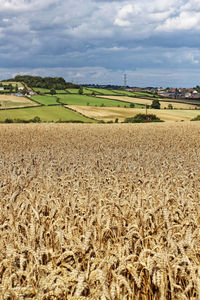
(80, 90)
(8, 121)
(143, 118)
(132, 105)
(36, 120)
(197, 118)
(155, 104)
(52, 92)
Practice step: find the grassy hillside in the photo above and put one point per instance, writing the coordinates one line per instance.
(41, 90)
(72, 91)
(102, 91)
(45, 100)
(91, 101)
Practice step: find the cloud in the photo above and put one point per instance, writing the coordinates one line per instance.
(125, 14)
(101, 37)
(185, 21)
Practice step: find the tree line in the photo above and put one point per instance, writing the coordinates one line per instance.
(57, 83)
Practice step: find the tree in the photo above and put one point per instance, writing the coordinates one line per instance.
(52, 92)
(170, 106)
(155, 104)
(80, 90)
(24, 91)
(143, 118)
(132, 105)
(10, 88)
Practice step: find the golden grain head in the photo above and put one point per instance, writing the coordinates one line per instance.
(99, 211)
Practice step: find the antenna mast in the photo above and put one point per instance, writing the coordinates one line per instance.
(125, 80)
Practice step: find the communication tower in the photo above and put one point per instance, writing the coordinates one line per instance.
(125, 80)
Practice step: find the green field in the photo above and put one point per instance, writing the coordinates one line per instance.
(73, 91)
(45, 100)
(13, 83)
(61, 92)
(144, 95)
(92, 101)
(47, 91)
(102, 91)
(45, 113)
(87, 91)
(4, 91)
(121, 92)
(41, 90)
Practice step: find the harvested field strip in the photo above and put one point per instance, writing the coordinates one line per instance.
(12, 98)
(45, 113)
(164, 104)
(100, 211)
(10, 104)
(111, 113)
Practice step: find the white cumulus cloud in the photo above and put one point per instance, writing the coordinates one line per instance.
(184, 21)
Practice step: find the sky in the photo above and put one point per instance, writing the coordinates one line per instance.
(155, 43)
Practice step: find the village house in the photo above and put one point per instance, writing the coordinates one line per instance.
(188, 95)
(195, 95)
(30, 93)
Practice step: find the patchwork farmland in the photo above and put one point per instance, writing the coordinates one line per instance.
(90, 104)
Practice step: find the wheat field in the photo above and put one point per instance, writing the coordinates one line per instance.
(94, 211)
(163, 102)
(111, 113)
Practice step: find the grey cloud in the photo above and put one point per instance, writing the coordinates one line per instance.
(106, 35)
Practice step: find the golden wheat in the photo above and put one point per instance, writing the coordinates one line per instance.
(100, 211)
